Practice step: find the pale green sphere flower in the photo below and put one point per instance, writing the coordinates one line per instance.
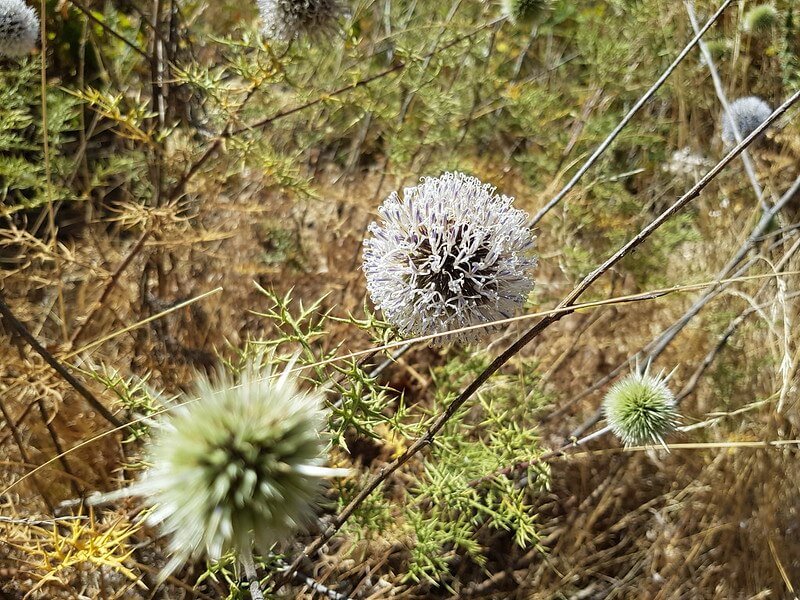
(761, 18)
(640, 409)
(525, 12)
(237, 469)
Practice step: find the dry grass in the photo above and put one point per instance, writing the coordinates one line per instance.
(702, 522)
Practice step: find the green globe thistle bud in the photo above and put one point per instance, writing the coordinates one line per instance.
(761, 18)
(640, 409)
(525, 12)
(19, 28)
(237, 469)
(719, 48)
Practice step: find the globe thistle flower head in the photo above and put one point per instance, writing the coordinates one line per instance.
(449, 253)
(748, 114)
(238, 468)
(525, 12)
(289, 19)
(19, 28)
(761, 18)
(640, 409)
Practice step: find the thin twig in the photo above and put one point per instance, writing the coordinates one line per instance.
(110, 286)
(24, 454)
(177, 190)
(571, 298)
(626, 119)
(108, 29)
(315, 585)
(59, 448)
(22, 331)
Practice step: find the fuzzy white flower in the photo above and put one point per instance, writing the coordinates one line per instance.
(239, 468)
(640, 409)
(289, 19)
(449, 253)
(19, 28)
(748, 113)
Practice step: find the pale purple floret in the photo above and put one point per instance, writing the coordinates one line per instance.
(449, 253)
(748, 113)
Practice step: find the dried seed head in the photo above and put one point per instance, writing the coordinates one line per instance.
(19, 28)
(449, 253)
(525, 12)
(640, 409)
(238, 468)
(748, 114)
(289, 19)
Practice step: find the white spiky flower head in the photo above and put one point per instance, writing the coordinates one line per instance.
(19, 28)
(238, 468)
(748, 113)
(525, 12)
(289, 19)
(449, 253)
(640, 409)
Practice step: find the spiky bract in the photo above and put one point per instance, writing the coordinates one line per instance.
(525, 12)
(19, 28)
(640, 409)
(238, 468)
(289, 19)
(449, 253)
(748, 113)
(761, 18)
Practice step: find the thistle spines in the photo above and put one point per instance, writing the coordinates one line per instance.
(526, 12)
(448, 254)
(640, 409)
(237, 466)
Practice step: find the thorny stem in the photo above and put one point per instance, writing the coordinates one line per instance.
(571, 298)
(626, 119)
(521, 466)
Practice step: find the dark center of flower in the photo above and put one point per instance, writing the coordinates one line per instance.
(453, 267)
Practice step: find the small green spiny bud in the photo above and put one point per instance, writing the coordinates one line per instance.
(525, 12)
(761, 18)
(640, 409)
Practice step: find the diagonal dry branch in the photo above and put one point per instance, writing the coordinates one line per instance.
(627, 118)
(568, 301)
(19, 328)
(726, 107)
(656, 346)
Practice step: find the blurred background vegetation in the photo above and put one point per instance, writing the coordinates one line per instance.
(185, 155)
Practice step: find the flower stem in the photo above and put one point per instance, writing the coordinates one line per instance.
(246, 559)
